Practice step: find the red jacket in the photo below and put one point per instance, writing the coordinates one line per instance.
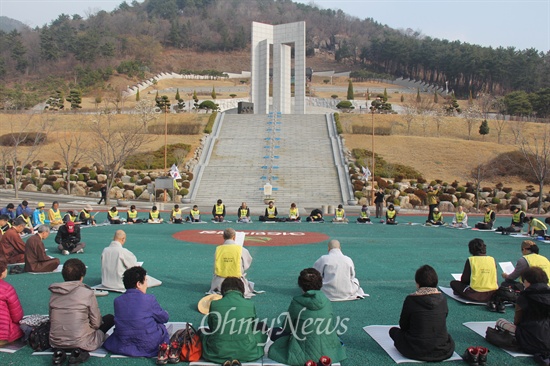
(11, 313)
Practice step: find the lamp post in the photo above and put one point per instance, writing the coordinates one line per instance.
(372, 109)
(164, 104)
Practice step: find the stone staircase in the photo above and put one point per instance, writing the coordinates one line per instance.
(294, 152)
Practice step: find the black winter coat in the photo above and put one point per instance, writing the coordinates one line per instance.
(533, 330)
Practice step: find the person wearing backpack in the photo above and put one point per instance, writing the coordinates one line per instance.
(139, 319)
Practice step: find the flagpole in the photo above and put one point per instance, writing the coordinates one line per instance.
(373, 162)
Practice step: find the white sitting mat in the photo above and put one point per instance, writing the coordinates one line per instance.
(520, 236)
(57, 270)
(449, 292)
(100, 352)
(425, 225)
(481, 327)
(457, 276)
(484, 229)
(151, 282)
(262, 361)
(13, 346)
(381, 334)
(217, 222)
(198, 222)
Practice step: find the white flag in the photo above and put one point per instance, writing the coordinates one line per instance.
(174, 172)
(366, 172)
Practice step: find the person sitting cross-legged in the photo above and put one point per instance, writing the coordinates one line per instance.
(270, 213)
(530, 258)
(68, 239)
(85, 216)
(132, 216)
(340, 214)
(460, 219)
(54, 215)
(218, 211)
(139, 319)
(176, 216)
(294, 213)
(36, 259)
(488, 219)
(12, 247)
(243, 214)
(364, 215)
(114, 217)
(536, 227)
(194, 214)
(316, 215)
(437, 218)
(11, 311)
(154, 216)
(391, 215)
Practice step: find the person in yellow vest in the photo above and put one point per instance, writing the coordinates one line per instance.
(113, 216)
(364, 215)
(488, 219)
(391, 215)
(71, 216)
(270, 213)
(340, 214)
(4, 224)
(431, 196)
(86, 217)
(176, 216)
(479, 277)
(460, 219)
(437, 218)
(39, 216)
(516, 226)
(294, 213)
(132, 216)
(530, 258)
(28, 222)
(54, 215)
(154, 216)
(218, 211)
(194, 215)
(231, 260)
(536, 227)
(243, 214)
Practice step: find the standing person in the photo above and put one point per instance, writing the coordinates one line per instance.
(294, 213)
(24, 205)
(460, 219)
(243, 214)
(68, 239)
(270, 213)
(11, 311)
(422, 333)
(76, 322)
(11, 244)
(86, 217)
(479, 277)
(139, 319)
(431, 196)
(308, 332)
(530, 258)
(364, 215)
(391, 215)
(488, 219)
(536, 227)
(379, 202)
(231, 260)
(39, 216)
(103, 192)
(194, 214)
(36, 259)
(54, 215)
(218, 211)
(132, 216)
(338, 272)
(176, 216)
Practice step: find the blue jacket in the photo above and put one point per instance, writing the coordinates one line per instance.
(10, 214)
(139, 325)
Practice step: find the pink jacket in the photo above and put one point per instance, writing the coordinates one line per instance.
(11, 313)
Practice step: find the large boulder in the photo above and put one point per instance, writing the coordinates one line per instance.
(500, 195)
(62, 190)
(46, 188)
(78, 190)
(129, 195)
(125, 179)
(101, 178)
(530, 200)
(470, 196)
(30, 188)
(145, 195)
(466, 204)
(446, 206)
(523, 204)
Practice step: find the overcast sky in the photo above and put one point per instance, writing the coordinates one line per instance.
(518, 23)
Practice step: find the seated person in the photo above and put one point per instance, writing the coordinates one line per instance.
(54, 215)
(294, 213)
(71, 216)
(9, 211)
(311, 332)
(437, 218)
(85, 217)
(139, 319)
(220, 343)
(391, 215)
(231, 260)
(518, 217)
(4, 224)
(340, 214)
(422, 334)
(132, 216)
(11, 245)
(11, 311)
(243, 213)
(76, 321)
(488, 219)
(39, 216)
(24, 205)
(113, 216)
(479, 277)
(68, 239)
(530, 258)
(36, 259)
(364, 215)
(270, 213)
(316, 215)
(176, 216)
(338, 272)
(532, 315)
(115, 260)
(536, 227)
(218, 211)
(29, 229)
(154, 216)
(194, 214)
(460, 219)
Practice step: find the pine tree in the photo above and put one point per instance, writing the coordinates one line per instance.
(470, 98)
(350, 90)
(418, 98)
(157, 97)
(385, 95)
(436, 98)
(137, 96)
(213, 93)
(402, 98)
(484, 128)
(178, 94)
(75, 98)
(368, 94)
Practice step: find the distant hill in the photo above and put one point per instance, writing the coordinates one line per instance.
(9, 24)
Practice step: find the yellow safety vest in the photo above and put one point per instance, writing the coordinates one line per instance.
(460, 216)
(154, 214)
(537, 224)
(487, 218)
(364, 214)
(42, 217)
(293, 213)
(228, 260)
(340, 213)
(56, 215)
(242, 212)
(27, 220)
(112, 214)
(219, 209)
(537, 260)
(437, 216)
(9, 227)
(390, 214)
(195, 214)
(271, 212)
(86, 214)
(483, 273)
(516, 218)
(174, 212)
(132, 214)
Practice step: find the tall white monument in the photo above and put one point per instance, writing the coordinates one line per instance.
(282, 37)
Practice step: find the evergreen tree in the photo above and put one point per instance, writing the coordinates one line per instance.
(163, 103)
(195, 99)
(385, 98)
(436, 98)
(178, 94)
(75, 98)
(213, 93)
(55, 102)
(402, 98)
(157, 97)
(137, 96)
(470, 98)
(418, 98)
(484, 128)
(350, 90)
(368, 94)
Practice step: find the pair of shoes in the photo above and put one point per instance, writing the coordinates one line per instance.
(16, 270)
(310, 363)
(65, 252)
(325, 361)
(482, 353)
(492, 306)
(162, 357)
(78, 356)
(58, 357)
(232, 363)
(471, 356)
(80, 251)
(174, 352)
(99, 293)
(501, 308)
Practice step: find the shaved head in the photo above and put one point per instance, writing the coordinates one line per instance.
(333, 244)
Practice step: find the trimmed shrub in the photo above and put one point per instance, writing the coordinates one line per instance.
(521, 196)
(358, 194)
(415, 202)
(461, 189)
(421, 180)
(495, 200)
(56, 186)
(508, 195)
(507, 189)
(183, 192)
(420, 193)
(93, 174)
(446, 197)
(339, 128)
(138, 191)
(210, 123)
(185, 184)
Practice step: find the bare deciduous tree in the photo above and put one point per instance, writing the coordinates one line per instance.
(471, 114)
(180, 155)
(72, 150)
(478, 174)
(517, 130)
(146, 112)
(409, 115)
(425, 110)
(500, 117)
(5, 159)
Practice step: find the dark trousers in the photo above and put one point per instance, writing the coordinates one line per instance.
(379, 209)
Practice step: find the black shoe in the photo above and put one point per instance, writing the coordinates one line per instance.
(58, 357)
(78, 356)
(471, 356)
(542, 359)
(16, 270)
(501, 308)
(492, 306)
(482, 355)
